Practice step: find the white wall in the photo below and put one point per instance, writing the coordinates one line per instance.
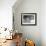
(43, 22)
(6, 13)
(31, 32)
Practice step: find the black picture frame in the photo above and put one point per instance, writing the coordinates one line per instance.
(29, 19)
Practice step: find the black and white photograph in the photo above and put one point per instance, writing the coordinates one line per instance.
(28, 18)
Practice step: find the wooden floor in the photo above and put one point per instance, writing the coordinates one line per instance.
(9, 43)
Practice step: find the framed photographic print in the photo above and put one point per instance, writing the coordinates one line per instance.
(28, 18)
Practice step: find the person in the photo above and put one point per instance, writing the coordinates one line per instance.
(27, 19)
